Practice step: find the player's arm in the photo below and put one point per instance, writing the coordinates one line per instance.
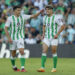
(37, 14)
(60, 22)
(43, 31)
(43, 27)
(26, 17)
(61, 29)
(6, 30)
(7, 33)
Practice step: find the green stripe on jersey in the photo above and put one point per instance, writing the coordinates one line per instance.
(52, 27)
(21, 26)
(56, 28)
(10, 29)
(14, 27)
(48, 28)
(18, 28)
(45, 25)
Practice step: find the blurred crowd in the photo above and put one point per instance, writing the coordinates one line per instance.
(33, 27)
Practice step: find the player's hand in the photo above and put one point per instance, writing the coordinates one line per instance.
(10, 40)
(56, 36)
(43, 36)
(41, 10)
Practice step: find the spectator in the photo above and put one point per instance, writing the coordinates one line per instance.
(35, 10)
(27, 29)
(2, 4)
(27, 25)
(55, 5)
(62, 38)
(70, 35)
(1, 31)
(10, 12)
(0, 10)
(8, 2)
(15, 2)
(71, 18)
(6, 9)
(34, 32)
(36, 3)
(30, 40)
(35, 23)
(25, 9)
(40, 3)
(61, 7)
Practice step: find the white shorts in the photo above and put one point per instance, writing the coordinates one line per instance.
(49, 42)
(17, 44)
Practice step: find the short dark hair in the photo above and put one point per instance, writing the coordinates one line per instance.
(49, 6)
(15, 7)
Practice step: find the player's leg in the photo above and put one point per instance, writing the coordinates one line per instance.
(13, 56)
(20, 45)
(54, 44)
(44, 55)
(22, 59)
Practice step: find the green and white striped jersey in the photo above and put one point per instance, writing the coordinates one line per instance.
(16, 26)
(52, 25)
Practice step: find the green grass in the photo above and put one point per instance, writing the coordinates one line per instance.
(66, 66)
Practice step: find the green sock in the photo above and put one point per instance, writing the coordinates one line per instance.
(54, 60)
(43, 60)
(22, 59)
(13, 61)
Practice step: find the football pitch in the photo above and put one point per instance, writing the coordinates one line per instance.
(65, 66)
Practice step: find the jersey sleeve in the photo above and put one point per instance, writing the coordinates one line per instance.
(44, 20)
(7, 24)
(26, 17)
(60, 20)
